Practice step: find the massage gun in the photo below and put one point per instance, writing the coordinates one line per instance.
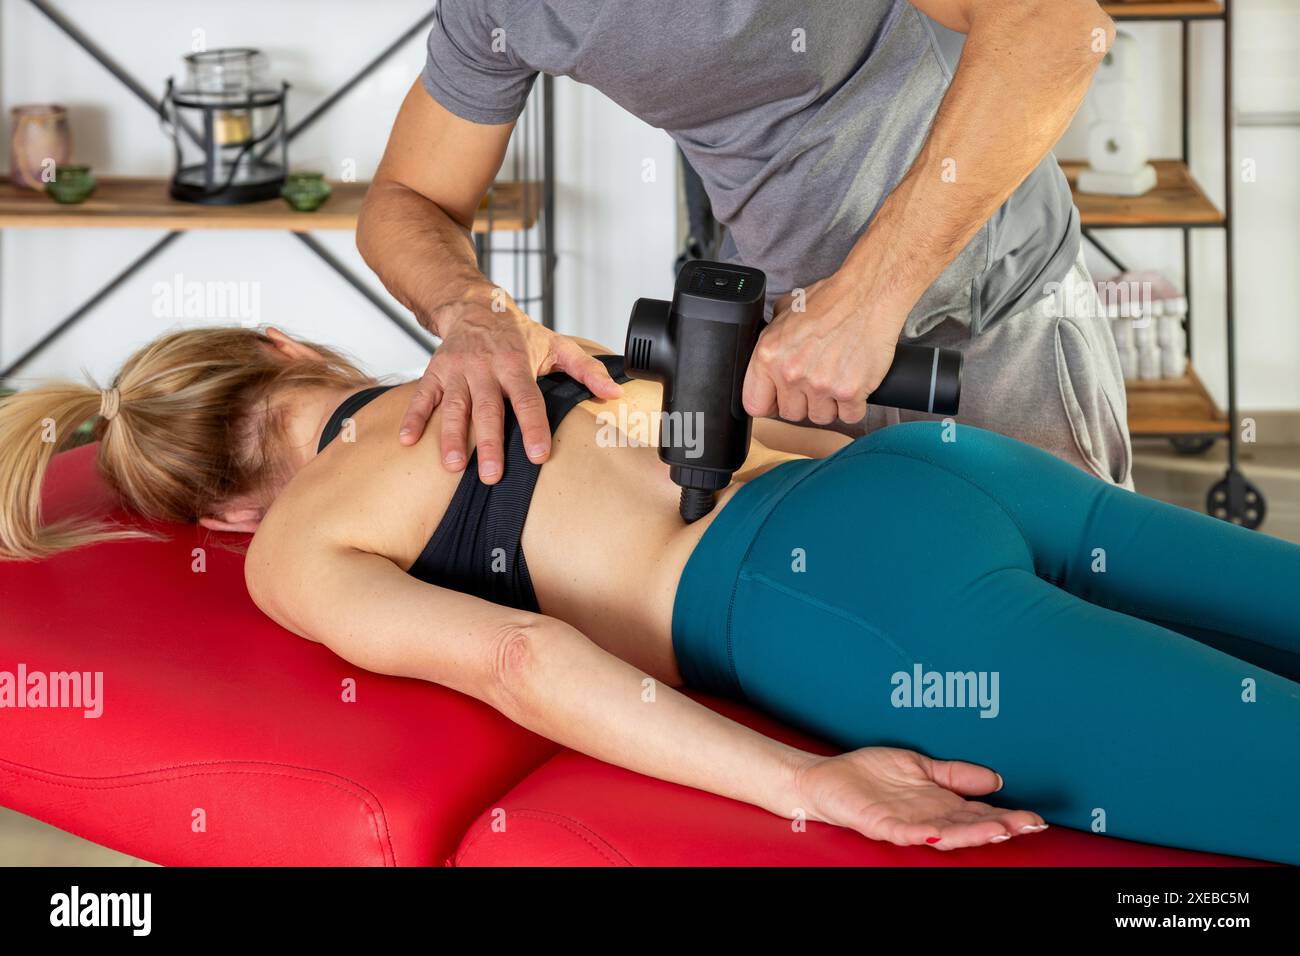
(698, 346)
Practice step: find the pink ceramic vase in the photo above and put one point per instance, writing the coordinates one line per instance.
(40, 141)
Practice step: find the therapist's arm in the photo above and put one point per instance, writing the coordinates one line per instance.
(1025, 68)
(414, 232)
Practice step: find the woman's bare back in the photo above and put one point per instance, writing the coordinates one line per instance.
(604, 542)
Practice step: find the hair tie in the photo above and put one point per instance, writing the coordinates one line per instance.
(109, 401)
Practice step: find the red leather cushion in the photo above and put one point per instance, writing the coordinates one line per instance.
(575, 811)
(210, 705)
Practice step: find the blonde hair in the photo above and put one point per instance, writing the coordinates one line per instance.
(187, 424)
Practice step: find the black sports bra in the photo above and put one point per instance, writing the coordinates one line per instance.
(476, 547)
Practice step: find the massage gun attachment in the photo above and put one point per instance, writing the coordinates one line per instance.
(698, 346)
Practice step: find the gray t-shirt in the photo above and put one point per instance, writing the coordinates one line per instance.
(799, 117)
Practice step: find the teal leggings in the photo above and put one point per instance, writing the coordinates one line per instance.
(1129, 667)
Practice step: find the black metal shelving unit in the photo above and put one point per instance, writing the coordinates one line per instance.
(1233, 498)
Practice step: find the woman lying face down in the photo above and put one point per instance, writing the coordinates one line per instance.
(853, 589)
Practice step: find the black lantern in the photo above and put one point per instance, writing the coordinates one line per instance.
(228, 127)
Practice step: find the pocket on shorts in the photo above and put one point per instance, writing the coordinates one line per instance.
(1093, 395)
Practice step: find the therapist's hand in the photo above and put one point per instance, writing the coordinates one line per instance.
(491, 353)
(821, 357)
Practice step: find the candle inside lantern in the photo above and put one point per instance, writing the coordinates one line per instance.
(228, 125)
(232, 75)
(232, 128)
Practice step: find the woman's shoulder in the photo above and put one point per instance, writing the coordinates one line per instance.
(364, 490)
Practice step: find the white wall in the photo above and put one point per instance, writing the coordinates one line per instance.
(616, 232)
(616, 235)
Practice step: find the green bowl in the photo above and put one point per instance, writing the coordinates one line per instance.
(71, 184)
(305, 192)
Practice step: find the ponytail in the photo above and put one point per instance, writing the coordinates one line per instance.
(189, 425)
(34, 426)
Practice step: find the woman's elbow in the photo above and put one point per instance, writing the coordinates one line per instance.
(519, 655)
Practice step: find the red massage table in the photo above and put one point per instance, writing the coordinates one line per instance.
(226, 740)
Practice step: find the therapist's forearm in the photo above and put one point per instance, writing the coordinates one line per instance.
(423, 256)
(557, 683)
(1024, 70)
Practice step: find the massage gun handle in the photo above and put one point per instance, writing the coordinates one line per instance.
(923, 379)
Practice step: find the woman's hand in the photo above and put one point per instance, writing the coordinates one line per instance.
(906, 798)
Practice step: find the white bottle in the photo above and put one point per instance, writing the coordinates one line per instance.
(1173, 348)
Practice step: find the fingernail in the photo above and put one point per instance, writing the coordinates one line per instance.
(1000, 838)
(537, 451)
(404, 432)
(933, 840)
(1033, 829)
(455, 458)
(999, 776)
(488, 469)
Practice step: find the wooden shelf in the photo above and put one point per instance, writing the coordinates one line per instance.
(1167, 10)
(127, 203)
(1179, 406)
(1176, 200)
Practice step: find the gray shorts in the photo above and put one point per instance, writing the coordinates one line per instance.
(1048, 375)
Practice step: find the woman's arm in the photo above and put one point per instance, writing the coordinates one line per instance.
(538, 671)
(548, 677)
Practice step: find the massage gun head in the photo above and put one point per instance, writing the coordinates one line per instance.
(698, 347)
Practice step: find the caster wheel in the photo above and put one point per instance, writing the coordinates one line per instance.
(1236, 500)
(1191, 444)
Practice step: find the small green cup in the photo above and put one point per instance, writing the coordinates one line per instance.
(71, 184)
(305, 191)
